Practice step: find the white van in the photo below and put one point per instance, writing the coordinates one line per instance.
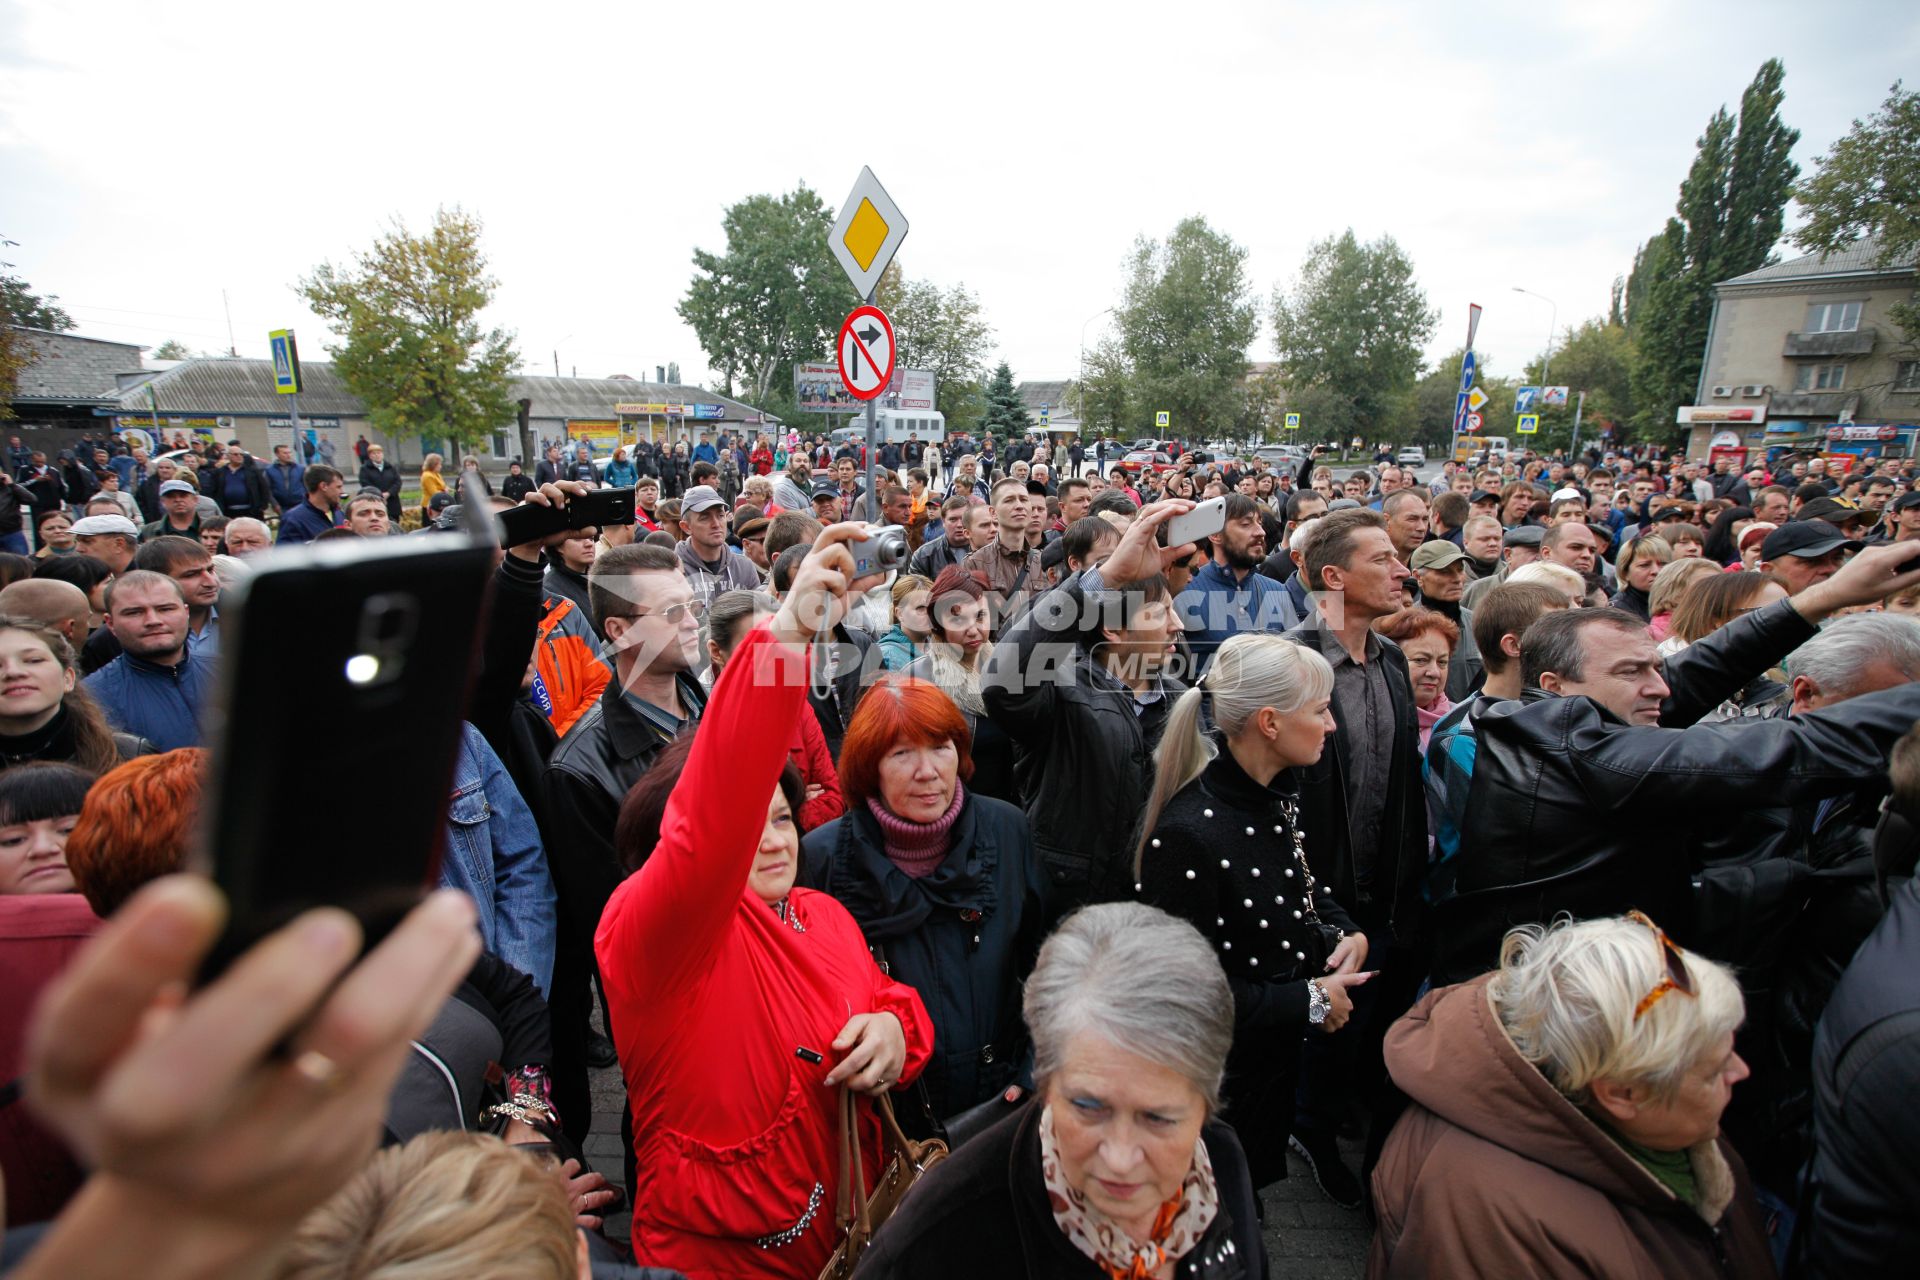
(895, 425)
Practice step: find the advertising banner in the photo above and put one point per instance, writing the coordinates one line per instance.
(910, 389)
(602, 435)
(817, 388)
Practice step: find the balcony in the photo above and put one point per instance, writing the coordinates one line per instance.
(1856, 342)
(1811, 404)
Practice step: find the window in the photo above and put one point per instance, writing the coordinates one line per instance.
(1820, 377)
(1833, 317)
(1907, 376)
(503, 444)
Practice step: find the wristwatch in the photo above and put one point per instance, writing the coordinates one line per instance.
(1317, 1003)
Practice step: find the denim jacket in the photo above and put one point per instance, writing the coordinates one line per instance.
(494, 856)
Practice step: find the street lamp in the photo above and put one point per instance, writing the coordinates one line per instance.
(1553, 320)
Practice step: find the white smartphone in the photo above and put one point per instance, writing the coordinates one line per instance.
(1205, 520)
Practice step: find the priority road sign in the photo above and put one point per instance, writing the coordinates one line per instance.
(868, 233)
(1529, 423)
(1162, 418)
(286, 362)
(865, 349)
(1476, 401)
(1473, 422)
(1293, 422)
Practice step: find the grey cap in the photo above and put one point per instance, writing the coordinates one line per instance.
(177, 486)
(1526, 535)
(1342, 504)
(699, 498)
(94, 526)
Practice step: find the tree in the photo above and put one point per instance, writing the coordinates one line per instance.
(774, 296)
(173, 349)
(1350, 336)
(19, 305)
(1868, 184)
(1006, 413)
(414, 350)
(1730, 214)
(1108, 406)
(939, 330)
(1185, 321)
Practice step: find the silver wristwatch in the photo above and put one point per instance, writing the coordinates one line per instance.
(1317, 1003)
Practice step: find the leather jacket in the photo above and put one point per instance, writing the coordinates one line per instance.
(1565, 793)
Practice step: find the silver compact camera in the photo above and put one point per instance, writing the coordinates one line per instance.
(884, 548)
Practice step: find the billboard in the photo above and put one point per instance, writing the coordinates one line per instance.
(602, 435)
(817, 388)
(909, 389)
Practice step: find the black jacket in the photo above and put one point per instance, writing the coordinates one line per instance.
(1222, 858)
(1379, 887)
(386, 479)
(1566, 793)
(984, 1213)
(936, 554)
(964, 937)
(259, 499)
(1083, 749)
(565, 583)
(1864, 1181)
(591, 771)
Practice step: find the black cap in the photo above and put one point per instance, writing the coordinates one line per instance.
(1482, 495)
(1833, 511)
(1806, 538)
(1911, 498)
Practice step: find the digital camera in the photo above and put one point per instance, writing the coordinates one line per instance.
(884, 548)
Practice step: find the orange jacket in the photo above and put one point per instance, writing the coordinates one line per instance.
(568, 673)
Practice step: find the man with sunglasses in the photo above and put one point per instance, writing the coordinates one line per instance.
(1605, 746)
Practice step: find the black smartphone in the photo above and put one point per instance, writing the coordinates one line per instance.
(345, 667)
(527, 523)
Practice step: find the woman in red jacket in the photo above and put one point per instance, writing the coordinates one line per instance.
(739, 1003)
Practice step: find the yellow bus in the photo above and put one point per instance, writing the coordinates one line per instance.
(1465, 447)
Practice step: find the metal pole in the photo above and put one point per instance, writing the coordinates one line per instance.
(873, 448)
(1573, 448)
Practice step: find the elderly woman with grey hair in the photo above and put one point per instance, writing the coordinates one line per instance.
(1565, 1116)
(1117, 1167)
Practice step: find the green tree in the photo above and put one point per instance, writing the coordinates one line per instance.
(414, 349)
(1868, 184)
(1350, 337)
(1729, 219)
(1006, 414)
(939, 330)
(1185, 321)
(774, 296)
(1108, 405)
(173, 349)
(21, 305)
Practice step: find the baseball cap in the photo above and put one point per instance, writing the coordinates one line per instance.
(1833, 511)
(177, 486)
(1806, 538)
(94, 526)
(1526, 535)
(1911, 498)
(825, 489)
(1437, 553)
(752, 527)
(699, 498)
(440, 501)
(1482, 495)
(1568, 492)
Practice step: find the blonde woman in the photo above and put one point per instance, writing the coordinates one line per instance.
(1640, 562)
(1223, 851)
(907, 639)
(1566, 1116)
(431, 483)
(1669, 585)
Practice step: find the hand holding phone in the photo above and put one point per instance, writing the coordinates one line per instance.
(1205, 520)
(586, 509)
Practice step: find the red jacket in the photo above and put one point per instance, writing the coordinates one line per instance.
(815, 762)
(711, 993)
(762, 461)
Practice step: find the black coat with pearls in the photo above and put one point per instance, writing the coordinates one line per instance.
(1224, 857)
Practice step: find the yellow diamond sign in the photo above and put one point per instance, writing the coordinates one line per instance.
(868, 233)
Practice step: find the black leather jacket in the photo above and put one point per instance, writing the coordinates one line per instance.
(1565, 794)
(592, 770)
(1083, 754)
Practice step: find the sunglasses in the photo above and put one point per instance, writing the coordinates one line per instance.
(1677, 978)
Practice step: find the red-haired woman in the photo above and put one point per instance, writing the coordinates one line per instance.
(739, 1002)
(944, 883)
(134, 826)
(955, 652)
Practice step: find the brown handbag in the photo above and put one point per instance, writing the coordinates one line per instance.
(861, 1215)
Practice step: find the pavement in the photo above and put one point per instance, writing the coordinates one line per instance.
(1307, 1236)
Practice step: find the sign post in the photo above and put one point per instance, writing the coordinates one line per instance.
(286, 377)
(1293, 422)
(865, 349)
(864, 240)
(1573, 448)
(1467, 366)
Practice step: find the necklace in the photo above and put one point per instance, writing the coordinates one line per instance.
(1290, 811)
(785, 912)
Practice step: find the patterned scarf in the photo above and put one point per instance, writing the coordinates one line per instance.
(1177, 1228)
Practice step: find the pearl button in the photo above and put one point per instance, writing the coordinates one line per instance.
(1255, 962)
(1248, 904)
(1299, 955)
(1219, 920)
(1227, 945)
(1263, 924)
(1296, 915)
(1138, 888)
(1279, 830)
(1250, 831)
(1278, 900)
(1224, 864)
(1289, 872)
(1206, 813)
(1156, 842)
(1256, 873)
(1189, 875)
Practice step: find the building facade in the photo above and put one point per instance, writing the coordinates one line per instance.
(1802, 355)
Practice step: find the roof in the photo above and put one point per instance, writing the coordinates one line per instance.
(225, 385)
(1037, 395)
(67, 368)
(1862, 257)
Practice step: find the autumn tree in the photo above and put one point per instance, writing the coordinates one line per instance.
(1185, 321)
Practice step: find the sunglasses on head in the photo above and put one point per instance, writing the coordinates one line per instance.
(1677, 978)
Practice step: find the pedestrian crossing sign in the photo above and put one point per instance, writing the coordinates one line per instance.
(1529, 424)
(1293, 422)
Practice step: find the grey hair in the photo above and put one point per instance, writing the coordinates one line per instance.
(1142, 980)
(1847, 649)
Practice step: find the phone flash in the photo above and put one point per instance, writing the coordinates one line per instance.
(363, 668)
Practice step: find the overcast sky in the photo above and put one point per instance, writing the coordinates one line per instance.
(154, 154)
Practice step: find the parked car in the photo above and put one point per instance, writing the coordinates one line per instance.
(1140, 460)
(1413, 456)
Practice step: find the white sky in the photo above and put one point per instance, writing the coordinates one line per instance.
(152, 154)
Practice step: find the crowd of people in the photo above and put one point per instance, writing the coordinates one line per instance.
(1548, 825)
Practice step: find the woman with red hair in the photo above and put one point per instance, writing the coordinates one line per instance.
(134, 826)
(943, 882)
